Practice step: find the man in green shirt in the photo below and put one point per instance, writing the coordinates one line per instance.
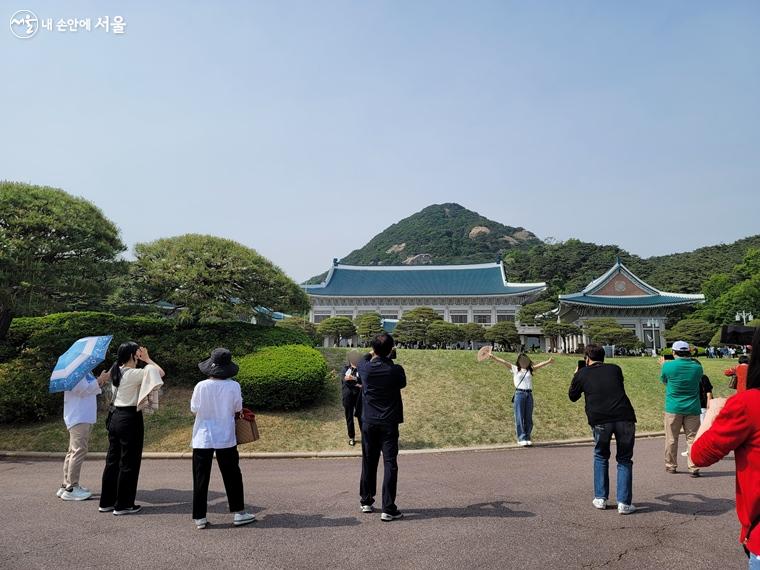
(681, 377)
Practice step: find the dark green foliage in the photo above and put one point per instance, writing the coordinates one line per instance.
(178, 350)
(56, 251)
(694, 331)
(412, 327)
(213, 278)
(368, 326)
(562, 330)
(528, 313)
(337, 328)
(443, 232)
(282, 377)
(607, 331)
(302, 325)
(24, 392)
(685, 272)
(442, 333)
(503, 333)
(473, 332)
(566, 267)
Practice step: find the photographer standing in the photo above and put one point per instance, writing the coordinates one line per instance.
(609, 413)
(382, 412)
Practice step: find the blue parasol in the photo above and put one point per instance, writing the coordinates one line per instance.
(78, 362)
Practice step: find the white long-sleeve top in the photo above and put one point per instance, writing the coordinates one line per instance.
(80, 404)
(214, 404)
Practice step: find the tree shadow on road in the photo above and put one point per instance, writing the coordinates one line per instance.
(493, 509)
(687, 504)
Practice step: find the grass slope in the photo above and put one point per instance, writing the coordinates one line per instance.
(450, 400)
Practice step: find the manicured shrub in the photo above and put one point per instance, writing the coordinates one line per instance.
(282, 377)
(24, 389)
(178, 349)
(34, 344)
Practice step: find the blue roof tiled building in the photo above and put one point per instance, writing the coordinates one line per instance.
(476, 293)
(629, 300)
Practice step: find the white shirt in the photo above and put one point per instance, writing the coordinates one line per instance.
(80, 404)
(523, 379)
(214, 404)
(131, 381)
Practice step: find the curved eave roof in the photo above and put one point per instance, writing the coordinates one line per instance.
(631, 302)
(485, 279)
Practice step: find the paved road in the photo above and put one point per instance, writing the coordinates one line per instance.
(526, 508)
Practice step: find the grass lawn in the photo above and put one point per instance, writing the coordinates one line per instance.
(450, 400)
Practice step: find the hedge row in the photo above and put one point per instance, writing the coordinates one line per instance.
(282, 377)
(34, 344)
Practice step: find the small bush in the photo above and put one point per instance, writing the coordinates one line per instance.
(282, 377)
(24, 389)
(34, 344)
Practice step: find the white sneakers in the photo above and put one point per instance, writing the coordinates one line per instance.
(387, 517)
(239, 519)
(76, 493)
(624, 509)
(367, 509)
(243, 518)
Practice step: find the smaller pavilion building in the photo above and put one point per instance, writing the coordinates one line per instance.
(634, 304)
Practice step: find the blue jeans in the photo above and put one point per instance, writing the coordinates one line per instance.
(754, 562)
(523, 414)
(624, 433)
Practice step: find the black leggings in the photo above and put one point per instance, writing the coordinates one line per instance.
(125, 445)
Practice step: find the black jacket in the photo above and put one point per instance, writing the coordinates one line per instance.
(382, 381)
(606, 400)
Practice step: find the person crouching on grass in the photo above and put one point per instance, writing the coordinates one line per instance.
(609, 412)
(80, 411)
(215, 402)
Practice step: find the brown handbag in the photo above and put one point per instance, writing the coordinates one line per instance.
(246, 430)
(732, 382)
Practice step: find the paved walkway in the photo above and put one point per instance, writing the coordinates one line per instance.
(526, 508)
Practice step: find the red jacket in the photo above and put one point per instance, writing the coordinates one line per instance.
(740, 371)
(737, 428)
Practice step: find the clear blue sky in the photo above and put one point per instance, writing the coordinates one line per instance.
(304, 128)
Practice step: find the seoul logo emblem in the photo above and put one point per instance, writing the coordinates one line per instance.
(24, 24)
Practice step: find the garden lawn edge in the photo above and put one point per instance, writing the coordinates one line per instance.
(317, 454)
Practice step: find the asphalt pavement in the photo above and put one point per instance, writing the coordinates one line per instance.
(522, 508)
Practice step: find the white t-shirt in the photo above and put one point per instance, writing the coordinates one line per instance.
(523, 379)
(80, 404)
(214, 404)
(131, 382)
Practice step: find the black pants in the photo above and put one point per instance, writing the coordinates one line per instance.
(378, 439)
(352, 405)
(125, 445)
(229, 464)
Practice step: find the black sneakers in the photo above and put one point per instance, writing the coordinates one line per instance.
(130, 511)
